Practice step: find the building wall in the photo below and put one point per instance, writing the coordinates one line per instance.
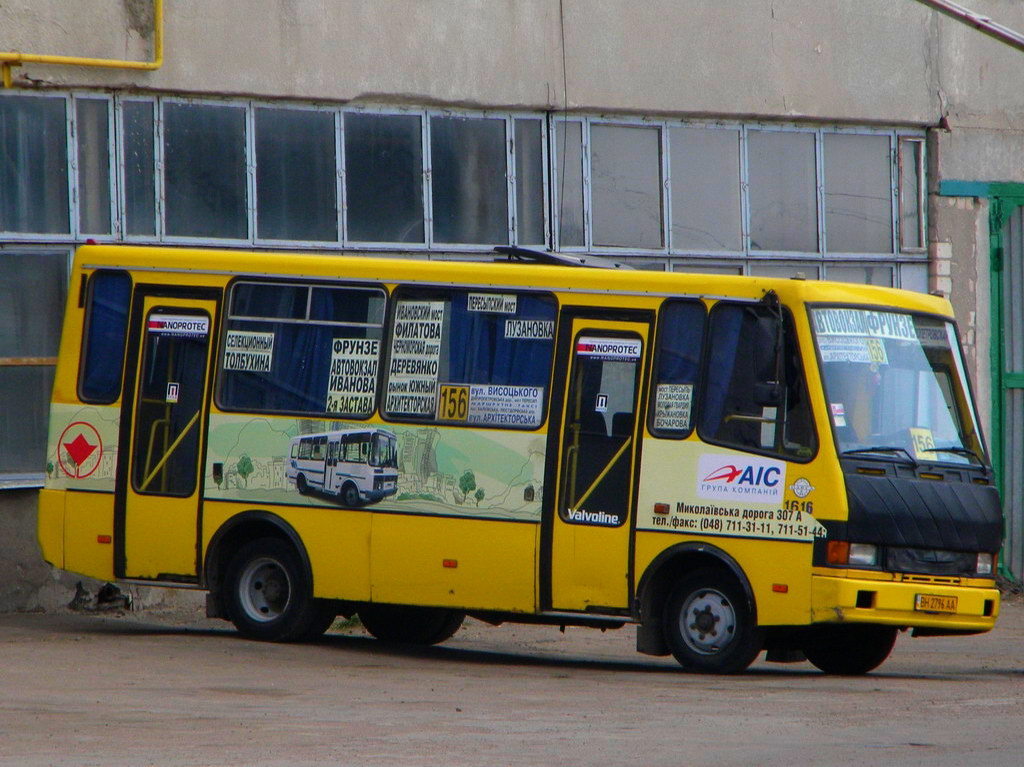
(890, 63)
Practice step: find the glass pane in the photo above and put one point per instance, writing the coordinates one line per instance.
(784, 271)
(204, 171)
(705, 170)
(33, 165)
(93, 165)
(910, 194)
(24, 414)
(625, 169)
(139, 194)
(569, 184)
(914, 277)
(470, 193)
(529, 182)
(110, 295)
(384, 178)
(783, 191)
(32, 292)
(680, 341)
(296, 178)
(864, 275)
(707, 268)
(858, 194)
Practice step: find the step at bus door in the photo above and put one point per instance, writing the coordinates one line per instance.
(160, 477)
(601, 425)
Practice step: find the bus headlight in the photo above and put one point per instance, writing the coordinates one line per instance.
(985, 563)
(864, 554)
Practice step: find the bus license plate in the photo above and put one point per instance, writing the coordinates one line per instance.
(933, 603)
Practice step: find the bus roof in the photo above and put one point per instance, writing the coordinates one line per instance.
(197, 266)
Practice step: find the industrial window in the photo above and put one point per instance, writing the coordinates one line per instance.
(568, 191)
(858, 193)
(205, 184)
(677, 366)
(296, 175)
(471, 357)
(94, 142)
(783, 191)
(469, 186)
(34, 166)
(106, 326)
(705, 168)
(32, 294)
(740, 405)
(384, 177)
(139, 152)
(625, 167)
(911, 197)
(305, 349)
(529, 150)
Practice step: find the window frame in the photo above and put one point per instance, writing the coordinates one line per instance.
(701, 394)
(90, 290)
(309, 283)
(698, 381)
(417, 292)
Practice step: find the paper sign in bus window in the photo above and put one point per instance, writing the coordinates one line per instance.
(529, 330)
(672, 406)
(249, 351)
(492, 303)
(352, 381)
(415, 358)
(625, 349)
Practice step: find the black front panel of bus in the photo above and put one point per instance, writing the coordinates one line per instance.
(908, 512)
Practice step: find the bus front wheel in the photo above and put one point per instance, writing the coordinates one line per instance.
(411, 625)
(301, 485)
(269, 597)
(708, 626)
(350, 495)
(851, 649)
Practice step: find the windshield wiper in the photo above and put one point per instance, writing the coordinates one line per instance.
(882, 449)
(958, 450)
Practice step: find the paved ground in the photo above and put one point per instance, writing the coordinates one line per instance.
(161, 689)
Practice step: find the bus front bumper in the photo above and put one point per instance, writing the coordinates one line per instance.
(929, 606)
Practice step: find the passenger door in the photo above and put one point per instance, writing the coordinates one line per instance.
(163, 429)
(599, 427)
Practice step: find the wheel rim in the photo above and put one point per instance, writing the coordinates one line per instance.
(707, 621)
(264, 590)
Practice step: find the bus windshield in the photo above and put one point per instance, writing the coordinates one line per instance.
(385, 451)
(895, 386)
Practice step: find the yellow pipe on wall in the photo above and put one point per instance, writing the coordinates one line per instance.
(9, 59)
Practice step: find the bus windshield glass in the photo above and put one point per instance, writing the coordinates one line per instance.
(895, 386)
(385, 451)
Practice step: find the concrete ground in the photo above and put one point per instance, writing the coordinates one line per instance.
(173, 688)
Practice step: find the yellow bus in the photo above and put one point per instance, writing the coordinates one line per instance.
(732, 464)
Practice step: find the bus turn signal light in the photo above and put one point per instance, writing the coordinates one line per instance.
(452, 563)
(838, 552)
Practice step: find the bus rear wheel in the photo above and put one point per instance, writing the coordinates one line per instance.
(708, 626)
(411, 625)
(268, 596)
(851, 649)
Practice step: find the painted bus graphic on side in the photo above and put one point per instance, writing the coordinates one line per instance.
(356, 465)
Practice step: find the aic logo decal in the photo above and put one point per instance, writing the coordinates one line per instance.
(759, 480)
(79, 450)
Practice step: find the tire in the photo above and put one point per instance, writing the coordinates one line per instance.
(268, 596)
(708, 624)
(350, 495)
(851, 649)
(411, 625)
(301, 485)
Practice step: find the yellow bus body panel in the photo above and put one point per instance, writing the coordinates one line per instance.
(88, 517)
(444, 562)
(50, 526)
(336, 541)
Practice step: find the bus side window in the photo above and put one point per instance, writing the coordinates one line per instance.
(106, 327)
(678, 353)
(741, 351)
(471, 358)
